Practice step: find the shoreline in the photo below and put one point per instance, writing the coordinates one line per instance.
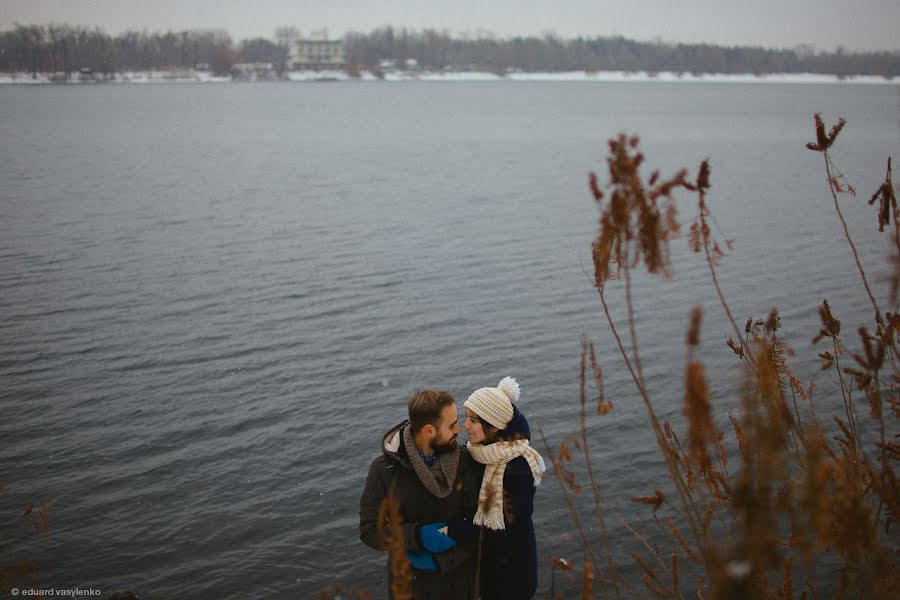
(192, 76)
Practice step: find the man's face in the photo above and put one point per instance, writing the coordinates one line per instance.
(446, 432)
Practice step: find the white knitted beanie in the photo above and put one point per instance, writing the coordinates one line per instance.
(494, 405)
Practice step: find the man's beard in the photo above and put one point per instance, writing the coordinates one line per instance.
(448, 446)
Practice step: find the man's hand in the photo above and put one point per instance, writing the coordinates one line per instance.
(433, 539)
(422, 561)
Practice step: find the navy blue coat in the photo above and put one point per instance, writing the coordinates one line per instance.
(508, 567)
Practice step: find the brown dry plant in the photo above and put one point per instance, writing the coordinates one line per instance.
(391, 535)
(37, 517)
(808, 507)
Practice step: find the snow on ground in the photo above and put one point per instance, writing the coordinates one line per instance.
(616, 76)
(180, 76)
(24, 78)
(335, 75)
(192, 76)
(441, 76)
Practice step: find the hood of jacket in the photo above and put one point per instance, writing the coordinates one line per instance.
(517, 428)
(393, 447)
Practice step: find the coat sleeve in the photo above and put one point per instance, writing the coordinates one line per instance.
(461, 528)
(373, 495)
(518, 492)
(448, 561)
(371, 532)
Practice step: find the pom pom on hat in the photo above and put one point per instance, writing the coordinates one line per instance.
(494, 405)
(510, 387)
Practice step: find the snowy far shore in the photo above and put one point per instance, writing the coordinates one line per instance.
(191, 76)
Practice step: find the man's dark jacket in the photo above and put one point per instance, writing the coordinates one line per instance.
(392, 473)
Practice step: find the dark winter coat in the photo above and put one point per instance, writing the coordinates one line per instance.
(392, 473)
(509, 556)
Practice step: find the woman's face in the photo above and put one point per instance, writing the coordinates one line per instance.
(474, 428)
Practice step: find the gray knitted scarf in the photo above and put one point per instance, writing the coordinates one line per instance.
(446, 465)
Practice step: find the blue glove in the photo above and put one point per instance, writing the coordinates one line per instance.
(421, 561)
(433, 540)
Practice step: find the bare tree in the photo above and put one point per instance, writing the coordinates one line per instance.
(285, 36)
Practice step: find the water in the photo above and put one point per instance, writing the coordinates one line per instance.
(215, 299)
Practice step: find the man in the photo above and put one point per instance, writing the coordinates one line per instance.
(434, 484)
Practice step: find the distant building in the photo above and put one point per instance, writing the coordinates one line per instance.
(317, 52)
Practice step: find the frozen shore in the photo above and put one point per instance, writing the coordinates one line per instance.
(191, 76)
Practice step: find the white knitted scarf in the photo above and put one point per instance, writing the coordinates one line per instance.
(495, 457)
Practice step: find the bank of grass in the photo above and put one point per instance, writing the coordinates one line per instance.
(807, 504)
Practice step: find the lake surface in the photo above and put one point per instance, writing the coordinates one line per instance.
(215, 299)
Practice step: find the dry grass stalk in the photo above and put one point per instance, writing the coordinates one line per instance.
(339, 592)
(793, 496)
(655, 500)
(17, 575)
(675, 582)
(655, 587)
(698, 410)
(603, 407)
(638, 220)
(391, 535)
(823, 143)
(788, 578)
(636, 224)
(573, 513)
(887, 206)
(684, 545)
(587, 586)
(649, 572)
(37, 517)
(23, 572)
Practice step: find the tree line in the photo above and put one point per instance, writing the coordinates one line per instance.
(436, 49)
(67, 49)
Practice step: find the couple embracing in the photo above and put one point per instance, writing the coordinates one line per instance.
(466, 511)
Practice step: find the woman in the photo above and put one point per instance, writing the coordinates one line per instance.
(499, 439)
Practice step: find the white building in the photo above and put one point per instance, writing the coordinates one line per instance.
(316, 51)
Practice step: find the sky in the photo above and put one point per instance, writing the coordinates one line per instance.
(824, 24)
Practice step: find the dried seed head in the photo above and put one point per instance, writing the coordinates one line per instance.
(604, 407)
(831, 327)
(655, 500)
(703, 176)
(638, 220)
(595, 189)
(560, 563)
(824, 142)
(701, 429)
(693, 332)
(887, 200)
